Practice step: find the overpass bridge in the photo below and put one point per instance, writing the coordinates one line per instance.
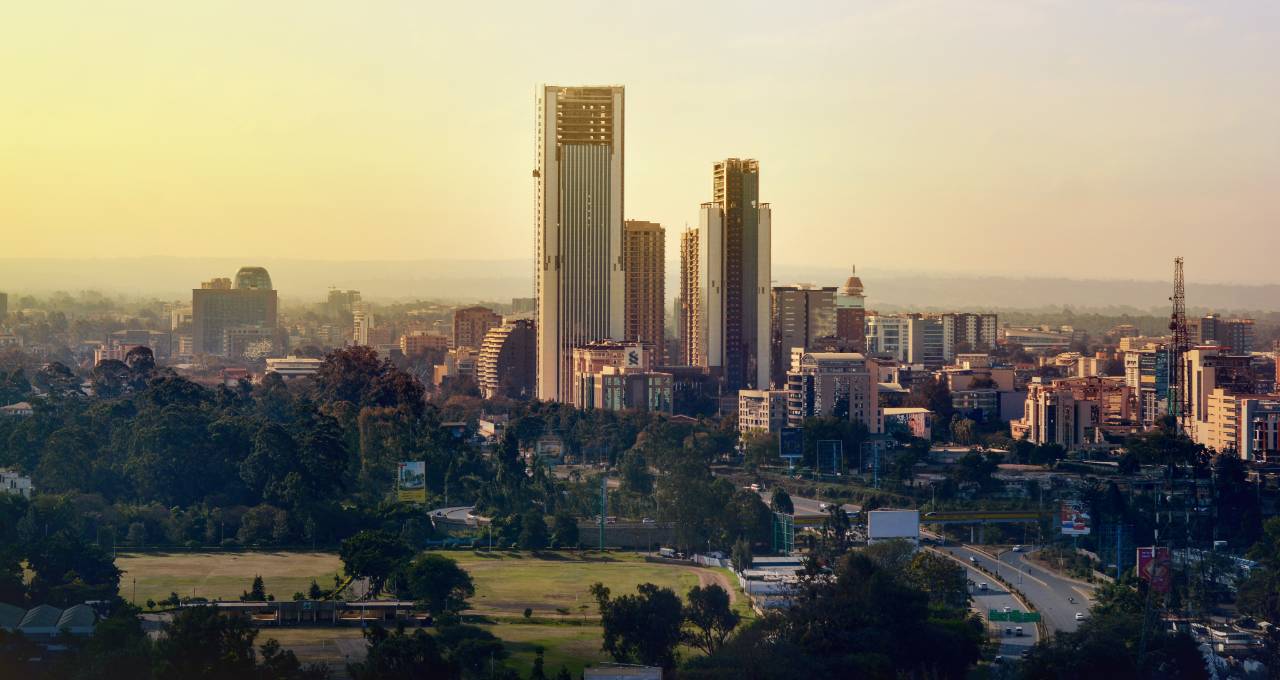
(982, 517)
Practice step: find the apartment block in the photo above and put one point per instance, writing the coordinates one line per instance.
(834, 384)
(470, 324)
(761, 411)
(644, 258)
(505, 366)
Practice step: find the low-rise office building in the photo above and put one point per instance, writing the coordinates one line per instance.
(761, 411)
(618, 375)
(840, 384)
(417, 342)
(1072, 411)
(294, 367)
(913, 420)
(1246, 425)
(15, 484)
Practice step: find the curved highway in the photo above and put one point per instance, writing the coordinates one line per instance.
(1050, 593)
(995, 596)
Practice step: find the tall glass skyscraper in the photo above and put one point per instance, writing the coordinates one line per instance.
(578, 216)
(733, 290)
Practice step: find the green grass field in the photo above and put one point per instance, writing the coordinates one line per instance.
(555, 585)
(222, 575)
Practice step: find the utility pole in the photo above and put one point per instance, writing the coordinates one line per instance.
(1119, 535)
(604, 505)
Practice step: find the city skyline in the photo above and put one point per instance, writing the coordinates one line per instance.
(982, 135)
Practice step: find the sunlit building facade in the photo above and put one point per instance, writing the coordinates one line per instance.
(578, 177)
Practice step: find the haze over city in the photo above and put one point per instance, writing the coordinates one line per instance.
(1082, 140)
(640, 341)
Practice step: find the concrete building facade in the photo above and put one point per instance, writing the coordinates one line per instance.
(294, 367)
(888, 336)
(851, 315)
(801, 314)
(506, 364)
(1071, 412)
(927, 341)
(732, 297)
(977, 332)
(689, 312)
(217, 307)
(761, 411)
(644, 259)
(578, 216)
(616, 375)
(824, 384)
(417, 342)
(470, 324)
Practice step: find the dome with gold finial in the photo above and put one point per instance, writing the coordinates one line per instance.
(853, 285)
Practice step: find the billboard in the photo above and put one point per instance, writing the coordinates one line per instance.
(1073, 517)
(1156, 568)
(411, 482)
(791, 443)
(886, 524)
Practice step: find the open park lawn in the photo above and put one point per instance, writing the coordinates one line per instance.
(554, 584)
(563, 645)
(558, 583)
(223, 575)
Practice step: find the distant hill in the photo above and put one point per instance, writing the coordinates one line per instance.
(297, 280)
(473, 280)
(923, 291)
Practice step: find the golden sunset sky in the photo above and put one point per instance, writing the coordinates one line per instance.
(1065, 138)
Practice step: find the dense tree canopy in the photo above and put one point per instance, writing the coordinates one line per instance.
(863, 621)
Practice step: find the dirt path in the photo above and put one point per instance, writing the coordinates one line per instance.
(708, 576)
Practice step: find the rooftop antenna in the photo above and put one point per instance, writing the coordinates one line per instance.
(1179, 395)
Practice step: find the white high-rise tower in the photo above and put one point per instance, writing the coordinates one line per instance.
(578, 213)
(730, 298)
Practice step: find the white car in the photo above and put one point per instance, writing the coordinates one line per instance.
(1017, 548)
(1007, 609)
(824, 506)
(1079, 616)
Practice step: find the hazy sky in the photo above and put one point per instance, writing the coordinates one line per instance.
(1093, 139)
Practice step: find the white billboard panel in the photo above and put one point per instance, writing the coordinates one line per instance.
(886, 524)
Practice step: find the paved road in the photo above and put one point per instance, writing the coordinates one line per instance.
(996, 597)
(808, 506)
(1054, 589)
(455, 514)
(1048, 592)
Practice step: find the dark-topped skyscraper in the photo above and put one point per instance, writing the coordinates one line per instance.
(732, 305)
(224, 318)
(578, 217)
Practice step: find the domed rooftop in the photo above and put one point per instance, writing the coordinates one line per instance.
(852, 285)
(253, 278)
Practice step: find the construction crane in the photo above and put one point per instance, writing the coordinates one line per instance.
(1179, 394)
